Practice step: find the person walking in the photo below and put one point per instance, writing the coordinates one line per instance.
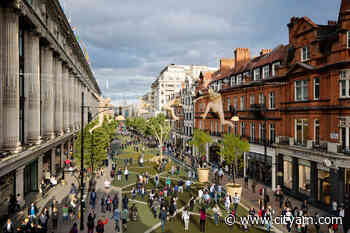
(115, 202)
(236, 201)
(100, 228)
(74, 228)
(216, 211)
(54, 217)
(65, 213)
(124, 216)
(103, 203)
(186, 218)
(91, 222)
(126, 173)
(202, 219)
(163, 216)
(9, 227)
(119, 174)
(93, 197)
(116, 216)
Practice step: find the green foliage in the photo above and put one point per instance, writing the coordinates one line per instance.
(232, 149)
(199, 140)
(96, 143)
(159, 127)
(139, 124)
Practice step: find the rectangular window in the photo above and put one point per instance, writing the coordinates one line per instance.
(242, 103)
(242, 129)
(272, 133)
(262, 132)
(305, 54)
(257, 74)
(251, 99)
(274, 66)
(344, 86)
(235, 128)
(228, 103)
(261, 98)
(239, 79)
(233, 81)
(272, 100)
(316, 88)
(266, 72)
(235, 103)
(212, 126)
(301, 90)
(348, 40)
(301, 131)
(252, 132)
(317, 132)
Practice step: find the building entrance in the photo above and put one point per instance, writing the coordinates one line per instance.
(31, 177)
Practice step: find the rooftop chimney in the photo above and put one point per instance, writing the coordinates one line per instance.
(332, 22)
(242, 56)
(227, 63)
(265, 51)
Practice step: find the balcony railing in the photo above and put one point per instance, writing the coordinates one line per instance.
(261, 141)
(322, 147)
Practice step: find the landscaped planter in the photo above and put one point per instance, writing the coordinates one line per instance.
(234, 188)
(203, 175)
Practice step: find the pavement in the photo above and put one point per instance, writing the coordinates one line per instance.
(61, 194)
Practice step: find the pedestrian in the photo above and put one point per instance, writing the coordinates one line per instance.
(116, 216)
(100, 228)
(125, 202)
(119, 174)
(316, 222)
(93, 197)
(54, 217)
(236, 201)
(9, 227)
(246, 182)
(124, 216)
(281, 199)
(202, 219)
(65, 213)
(115, 202)
(253, 185)
(91, 222)
(216, 211)
(74, 228)
(163, 217)
(186, 218)
(103, 203)
(126, 173)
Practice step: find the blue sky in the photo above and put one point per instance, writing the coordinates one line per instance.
(130, 41)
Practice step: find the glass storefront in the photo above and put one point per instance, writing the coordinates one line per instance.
(304, 168)
(324, 185)
(287, 172)
(31, 177)
(7, 187)
(257, 170)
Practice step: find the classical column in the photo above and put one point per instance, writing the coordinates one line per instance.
(9, 77)
(20, 182)
(53, 161)
(47, 92)
(71, 101)
(58, 98)
(40, 168)
(62, 155)
(65, 98)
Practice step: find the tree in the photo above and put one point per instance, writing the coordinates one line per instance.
(231, 150)
(160, 129)
(96, 143)
(199, 140)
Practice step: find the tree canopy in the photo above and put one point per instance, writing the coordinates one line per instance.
(159, 127)
(232, 149)
(199, 140)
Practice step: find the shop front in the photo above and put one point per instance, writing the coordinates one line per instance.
(257, 169)
(31, 177)
(312, 180)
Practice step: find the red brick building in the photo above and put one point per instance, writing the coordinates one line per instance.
(296, 100)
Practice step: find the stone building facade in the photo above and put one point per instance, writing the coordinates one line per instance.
(293, 106)
(43, 73)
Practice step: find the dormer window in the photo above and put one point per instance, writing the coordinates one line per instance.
(305, 54)
(239, 79)
(256, 74)
(266, 72)
(274, 66)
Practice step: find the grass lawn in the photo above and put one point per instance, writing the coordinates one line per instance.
(131, 179)
(178, 227)
(145, 220)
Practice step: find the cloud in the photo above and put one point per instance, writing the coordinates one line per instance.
(129, 42)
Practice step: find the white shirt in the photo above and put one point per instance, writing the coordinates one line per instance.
(188, 182)
(185, 215)
(236, 199)
(200, 193)
(126, 172)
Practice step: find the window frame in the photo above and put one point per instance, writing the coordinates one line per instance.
(302, 85)
(348, 39)
(306, 53)
(261, 98)
(266, 69)
(317, 86)
(272, 129)
(272, 96)
(257, 75)
(273, 71)
(242, 103)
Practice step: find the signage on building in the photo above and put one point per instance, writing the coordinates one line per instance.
(334, 136)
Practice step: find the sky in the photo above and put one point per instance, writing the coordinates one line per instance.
(130, 41)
